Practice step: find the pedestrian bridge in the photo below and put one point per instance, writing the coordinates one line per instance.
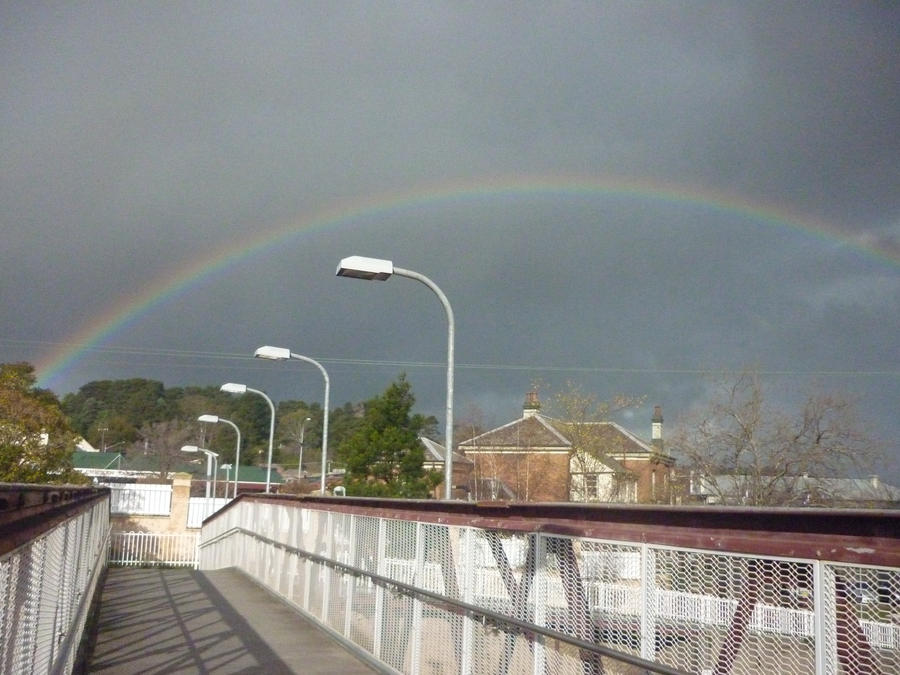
(453, 587)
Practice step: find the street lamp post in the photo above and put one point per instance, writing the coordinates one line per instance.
(214, 419)
(234, 388)
(300, 460)
(282, 354)
(210, 458)
(360, 267)
(227, 468)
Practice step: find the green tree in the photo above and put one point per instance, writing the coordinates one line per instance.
(343, 422)
(111, 412)
(385, 456)
(36, 441)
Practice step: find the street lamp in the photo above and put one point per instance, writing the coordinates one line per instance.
(210, 458)
(374, 269)
(300, 461)
(214, 419)
(227, 468)
(282, 354)
(234, 388)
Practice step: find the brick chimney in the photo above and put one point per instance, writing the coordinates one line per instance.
(532, 405)
(656, 422)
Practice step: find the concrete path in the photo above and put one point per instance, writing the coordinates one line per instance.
(185, 621)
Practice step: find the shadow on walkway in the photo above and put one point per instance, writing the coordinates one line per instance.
(185, 621)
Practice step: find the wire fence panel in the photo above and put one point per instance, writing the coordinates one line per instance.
(444, 597)
(46, 588)
(151, 549)
(201, 508)
(863, 622)
(140, 499)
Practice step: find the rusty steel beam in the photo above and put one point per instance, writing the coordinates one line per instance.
(581, 624)
(27, 511)
(740, 621)
(855, 536)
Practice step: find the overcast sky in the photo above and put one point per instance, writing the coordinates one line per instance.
(644, 191)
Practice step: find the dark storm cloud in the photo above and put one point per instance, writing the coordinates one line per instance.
(138, 138)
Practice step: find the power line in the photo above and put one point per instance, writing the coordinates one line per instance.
(395, 363)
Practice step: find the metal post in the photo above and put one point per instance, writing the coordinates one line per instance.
(215, 476)
(271, 437)
(451, 332)
(648, 604)
(824, 635)
(237, 454)
(208, 471)
(325, 420)
(300, 458)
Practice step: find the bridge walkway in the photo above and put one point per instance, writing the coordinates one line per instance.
(155, 620)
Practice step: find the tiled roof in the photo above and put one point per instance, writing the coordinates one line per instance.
(613, 438)
(434, 452)
(534, 431)
(838, 489)
(539, 431)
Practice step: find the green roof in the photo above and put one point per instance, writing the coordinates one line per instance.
(115, 460)
(97, 460)
(253, 474)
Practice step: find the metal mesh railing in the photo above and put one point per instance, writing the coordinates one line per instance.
(46, 587)
(426, 597)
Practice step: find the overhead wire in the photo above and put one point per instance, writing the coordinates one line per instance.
(397, 363)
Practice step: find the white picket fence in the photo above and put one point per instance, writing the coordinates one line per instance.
(151, 549)
(140, 499)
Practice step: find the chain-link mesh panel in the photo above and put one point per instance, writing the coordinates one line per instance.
(45, 587)
(693, 610)
(720, 613)
(862, 619)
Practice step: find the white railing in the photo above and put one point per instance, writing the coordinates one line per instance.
(382, 584)
(151, 549)
(201, 508)
(142, 499)
(46, 588)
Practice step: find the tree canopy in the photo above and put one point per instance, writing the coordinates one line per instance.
(36, 441)
(744, 449)
(385, 457)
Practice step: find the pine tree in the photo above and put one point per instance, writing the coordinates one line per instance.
(385, 456)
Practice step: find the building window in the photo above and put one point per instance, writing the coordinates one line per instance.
(591, 486)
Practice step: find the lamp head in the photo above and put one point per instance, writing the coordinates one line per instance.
(233, 388)
(190, 448)
(360, 267)
(272, 353)
(212, 419)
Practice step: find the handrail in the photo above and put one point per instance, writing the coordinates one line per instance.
(451, 604)
(854, 536)
(27, 511)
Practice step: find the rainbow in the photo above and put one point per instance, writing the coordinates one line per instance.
(164, 288)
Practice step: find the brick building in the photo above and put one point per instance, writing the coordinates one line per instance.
(538, 458)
